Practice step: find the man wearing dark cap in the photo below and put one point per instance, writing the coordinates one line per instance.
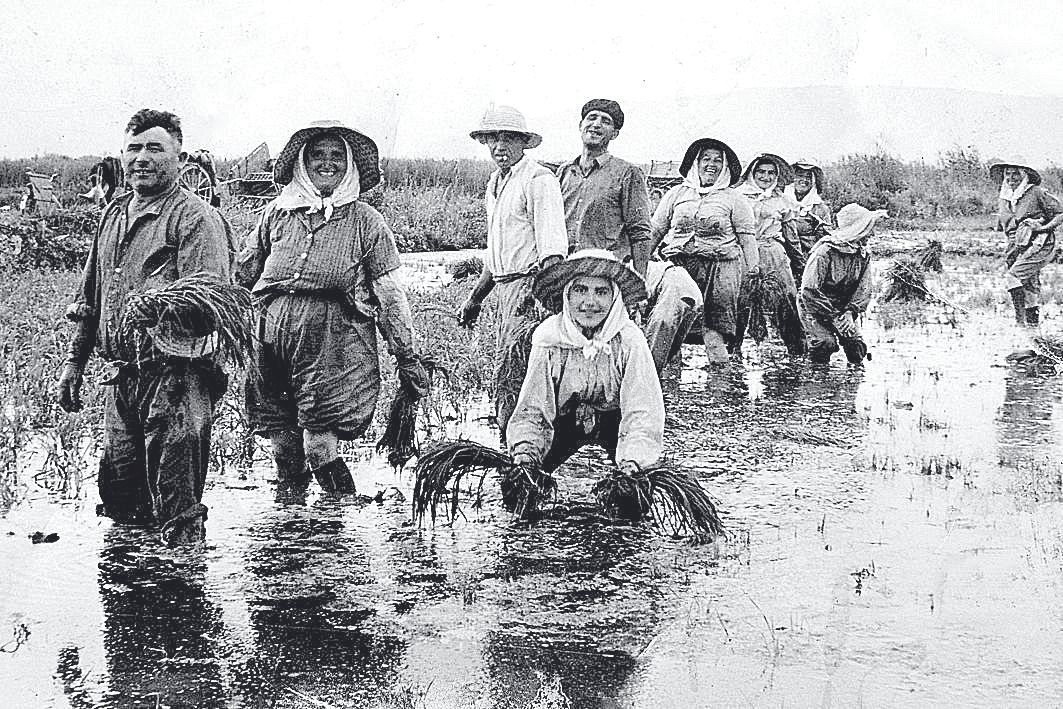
(607, 206)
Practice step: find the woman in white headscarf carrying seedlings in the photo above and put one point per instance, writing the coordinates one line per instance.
(708, 229)
(320, 265)
(772, 294)
(1028, 215)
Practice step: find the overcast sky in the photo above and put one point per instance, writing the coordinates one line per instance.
(417, 76)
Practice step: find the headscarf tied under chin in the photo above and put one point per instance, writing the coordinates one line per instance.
(300, 192)
(693, 176)
(751, 189)
(561, 329)
(1012, 195)
(806, 203)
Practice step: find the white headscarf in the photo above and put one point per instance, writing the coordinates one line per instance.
(806, 203)
(693, 176)
(561, 329)
(751, 189)
(1012, 195)
(300, 192)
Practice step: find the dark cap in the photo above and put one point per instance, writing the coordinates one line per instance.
(605, 105)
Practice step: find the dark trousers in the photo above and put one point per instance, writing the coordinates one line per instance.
(156, 449)
(570, 436)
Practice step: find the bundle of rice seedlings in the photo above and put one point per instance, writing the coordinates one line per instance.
(675, 500)
(194, 306)
(930, 256)
(443, 467)
(399, 437)
(525, 488)
(905, 282)
(760, 294)
(471, 266)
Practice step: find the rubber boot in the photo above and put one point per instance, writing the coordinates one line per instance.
(1033, 317)
(1018, 299)
(335, 478)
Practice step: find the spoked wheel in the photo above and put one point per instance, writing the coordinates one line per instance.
(196, 180)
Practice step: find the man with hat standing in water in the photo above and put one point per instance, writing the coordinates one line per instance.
(321, 267)
(525, 233)
(607, 206)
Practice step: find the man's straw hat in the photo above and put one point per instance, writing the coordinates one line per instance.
(507, 118)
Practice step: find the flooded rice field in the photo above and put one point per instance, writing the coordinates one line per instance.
(896, 539)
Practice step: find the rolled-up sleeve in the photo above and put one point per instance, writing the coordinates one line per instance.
(641, 437)
(547, 211)
(531, 427)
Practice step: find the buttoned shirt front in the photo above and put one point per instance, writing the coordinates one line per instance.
(143, 244)
(606, 207)
(525, 219)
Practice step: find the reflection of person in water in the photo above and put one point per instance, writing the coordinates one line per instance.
(160, 629)
(1025, 429)
(312, 614)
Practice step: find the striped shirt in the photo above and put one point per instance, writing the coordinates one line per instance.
(293, 252)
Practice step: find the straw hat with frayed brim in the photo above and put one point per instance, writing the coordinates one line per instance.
(363, 150)
(506, 118)
(786, 173)
(733, 163)
(549, 285)
(813, 166)
(996, 170)
(854, 220)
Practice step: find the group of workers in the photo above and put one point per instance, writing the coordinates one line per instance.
(596, 291)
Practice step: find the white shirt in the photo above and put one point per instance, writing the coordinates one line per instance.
(525, 219)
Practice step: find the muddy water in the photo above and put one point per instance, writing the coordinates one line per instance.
(896, 540)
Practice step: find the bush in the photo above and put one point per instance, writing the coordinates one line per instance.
(59, 241)
(435, 219)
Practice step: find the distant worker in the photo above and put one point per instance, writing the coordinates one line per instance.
(780, 250)
(607, 206)
(321, 265)
(813, 216)
(525, 233)
(708, 229)
(159, 405)
(1028, 215)
(836, 286)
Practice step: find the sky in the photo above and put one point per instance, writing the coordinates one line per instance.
(417, 76)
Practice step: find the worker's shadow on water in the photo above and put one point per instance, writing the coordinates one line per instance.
(580, 602)
(313, 626)
(160, 630)
(1027, 432)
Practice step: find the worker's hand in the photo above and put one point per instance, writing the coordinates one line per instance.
(413, 378)
(69, 388)
(753, 272)
(846, 326)
(629, 467)
(468, 313)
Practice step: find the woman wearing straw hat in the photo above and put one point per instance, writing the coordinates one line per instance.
(707, 228)
(1028, 215)
(779, 247)
(813, 217)
(591, 377)
(320, 264)
(836, 286)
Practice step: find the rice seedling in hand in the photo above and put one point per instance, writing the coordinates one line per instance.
(443, 467)
(525, 488)
(760, 294)
(190, 307)
(399, 437)
(681, 506)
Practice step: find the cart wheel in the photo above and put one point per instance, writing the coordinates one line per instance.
(196, 180)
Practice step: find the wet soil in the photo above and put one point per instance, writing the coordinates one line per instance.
(896, 539)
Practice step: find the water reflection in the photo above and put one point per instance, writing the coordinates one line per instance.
(1028, 432)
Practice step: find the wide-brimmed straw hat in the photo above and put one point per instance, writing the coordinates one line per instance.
(854, 220)
(733, 163)
(363, 150)
(996, 170)
(549, 285)
(786, 173)
(507, 118)
(809, 164)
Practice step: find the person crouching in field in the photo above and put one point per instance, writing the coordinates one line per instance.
(836, 286)
(780, 250)
(812, 216)
(708, 229)
(525, 233)
(1028, 215)
(591, 377)
(321, 266)
(607, 206)
(162, 391)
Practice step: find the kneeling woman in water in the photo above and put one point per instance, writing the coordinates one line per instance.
(591, 377)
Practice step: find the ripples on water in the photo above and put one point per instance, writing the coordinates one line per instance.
(895, 540)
